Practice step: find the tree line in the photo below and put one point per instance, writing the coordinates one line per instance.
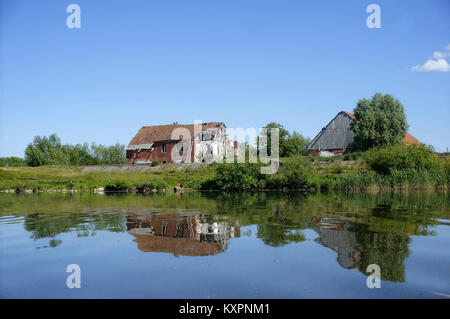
(380, 121)
(50, 151)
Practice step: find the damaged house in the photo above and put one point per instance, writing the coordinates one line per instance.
(337, 137)
(180, 143)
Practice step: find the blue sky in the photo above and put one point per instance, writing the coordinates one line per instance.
(243, 62)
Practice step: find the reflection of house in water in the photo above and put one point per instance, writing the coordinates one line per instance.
(339, 236)
(187, 234)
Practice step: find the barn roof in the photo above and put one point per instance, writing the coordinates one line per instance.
(407, 140)
(151, 134)
(350, 114)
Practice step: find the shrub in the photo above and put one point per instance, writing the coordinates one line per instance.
(149, 186)
(116, 185)
(296, 170)
(357, 180)
(397, 157)
(275, 181)
(237, 176)
(206, 184)
(321, 182)
(154, 164)
(337, 169)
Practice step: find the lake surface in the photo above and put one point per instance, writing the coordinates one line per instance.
(215, 245)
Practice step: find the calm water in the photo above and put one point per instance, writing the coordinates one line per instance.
(210, 245)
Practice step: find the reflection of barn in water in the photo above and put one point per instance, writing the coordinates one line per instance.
(358, 245)
(340, 237)
(180, 234)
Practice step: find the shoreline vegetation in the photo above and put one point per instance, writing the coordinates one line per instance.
(396, 168)
(383, 162)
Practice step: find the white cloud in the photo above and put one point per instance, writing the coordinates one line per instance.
(440, 65)
(440, 55)
(437, 63)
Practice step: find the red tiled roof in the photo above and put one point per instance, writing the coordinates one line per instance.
(151, 134)
(407, 140)
(350, 114)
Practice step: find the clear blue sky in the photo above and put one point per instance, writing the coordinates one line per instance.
(243, 62)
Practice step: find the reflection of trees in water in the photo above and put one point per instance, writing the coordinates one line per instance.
(358, 247)
(49, 225)
(280, 230)
(380, 223)
(388, 250)
(279, 235)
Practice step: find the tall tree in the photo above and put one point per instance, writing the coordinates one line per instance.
(379, 121)
(290, 144)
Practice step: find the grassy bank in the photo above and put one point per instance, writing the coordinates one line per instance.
(385, 168)
(299, 173)
(72, 177)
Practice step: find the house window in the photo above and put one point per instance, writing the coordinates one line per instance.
(180, 230)
(164, 148)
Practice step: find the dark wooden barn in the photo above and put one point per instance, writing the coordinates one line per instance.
(337, 137)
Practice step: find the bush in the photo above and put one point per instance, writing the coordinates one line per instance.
(385, 159)
(154, 164)
(231, 177)
(116, 185)
(337, 169)
(149, 186)
(275, 181)
(358, 180)
(203, 184)
(296, 170)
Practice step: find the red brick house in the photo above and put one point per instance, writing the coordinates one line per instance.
(180, 234)
(156, 143)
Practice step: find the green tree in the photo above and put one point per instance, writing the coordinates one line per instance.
(290, 144)
(11, 162)
(296, 145)
(45, 151)
(296, 170)
(50, 151)
(379, 121)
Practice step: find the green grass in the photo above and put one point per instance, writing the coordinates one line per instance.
(62, 177)
(295, 176)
